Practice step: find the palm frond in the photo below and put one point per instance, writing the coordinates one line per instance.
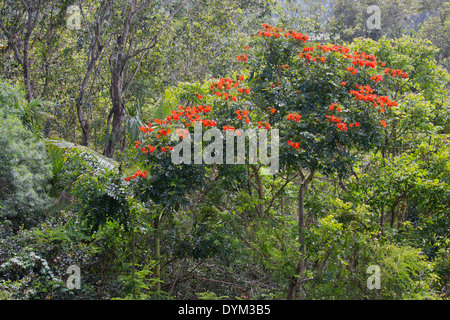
(32, 117)
(102, 160)
(133, 122)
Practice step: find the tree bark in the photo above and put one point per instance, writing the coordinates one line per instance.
(26, 68)
(33, 9)
(260, 189)
(299, 278)
(128, 48)
(118, 107)
(94, 55)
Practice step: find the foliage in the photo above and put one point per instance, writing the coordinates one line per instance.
(91, 120)
(24, 168)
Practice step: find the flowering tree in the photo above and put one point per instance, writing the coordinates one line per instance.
(329, 104)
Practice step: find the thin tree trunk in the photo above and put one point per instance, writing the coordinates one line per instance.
(26, 69)
(157, 254)
(118, 107)
(260, 206)
(298, 279)
(79, 104)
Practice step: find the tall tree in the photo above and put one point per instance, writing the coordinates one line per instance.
(18, 20)
(97, 44)
(138, 26)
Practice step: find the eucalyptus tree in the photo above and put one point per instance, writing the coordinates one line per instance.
(25, 22)
(98, 41)
(138, 25)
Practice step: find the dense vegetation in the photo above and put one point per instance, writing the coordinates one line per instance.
(91, 117)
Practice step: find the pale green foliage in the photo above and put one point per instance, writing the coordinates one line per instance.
(24, 167)
(345, 243)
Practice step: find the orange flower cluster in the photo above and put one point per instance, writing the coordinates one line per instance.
(358, 58)
(307, 56)
(333, 48)
(243, 114)
(232, 129)
(293, 117)
(297, 36)
(341, 125)
(395, 72)
(383, 123)
(270, 31)
(148, 148)
(223, 88)
(272, 110)
(225, 128)
(333, 106)
(264, 125)
(187, 115)
(352, 70)
(138, 173)
(376, 78)
(294, 145)
(147, 129)
(163, 132)
(208, 123)
(242, 58)
(333, 119)
(166, 149)
(363, 60)
(365, 93)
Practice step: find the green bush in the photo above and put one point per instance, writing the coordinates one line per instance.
(24, 166)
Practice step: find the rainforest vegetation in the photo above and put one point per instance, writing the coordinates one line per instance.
(97, 96)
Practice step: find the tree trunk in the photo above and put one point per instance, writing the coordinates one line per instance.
(26, 69)
(118, 111)
(298, 279)
(79, 104)
(260, 189)
(157, 254)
